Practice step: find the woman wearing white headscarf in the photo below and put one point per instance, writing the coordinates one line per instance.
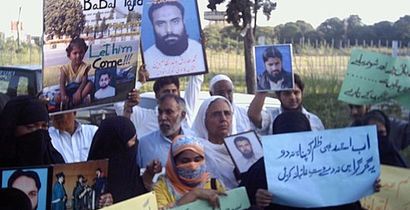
(213, 122)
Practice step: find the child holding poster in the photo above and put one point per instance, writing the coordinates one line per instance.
(74, 83)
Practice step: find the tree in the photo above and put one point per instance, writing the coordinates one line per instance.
(402, 27)
(289, 32)
(383, 30)
(332, 29)
(353, 27)
(304, 28)
(239, 13)
(63, 17)
(267, 32)
(103, 27)
(212, 34)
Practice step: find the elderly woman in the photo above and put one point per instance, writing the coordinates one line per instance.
(24, 138)
(115, 139)
(186, 178)
(213, 123)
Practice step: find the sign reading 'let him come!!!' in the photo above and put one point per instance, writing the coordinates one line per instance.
(322, 168)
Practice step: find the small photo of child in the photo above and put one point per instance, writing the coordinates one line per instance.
(75, 88)
(105, 83)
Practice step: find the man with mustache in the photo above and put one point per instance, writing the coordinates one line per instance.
(155, 146)
(28, 182)
(173, 49)
(244, 146)
(291, 100)
(274, 77)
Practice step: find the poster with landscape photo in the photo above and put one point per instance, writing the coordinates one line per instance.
(85, 37)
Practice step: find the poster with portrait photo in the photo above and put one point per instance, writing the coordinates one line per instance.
(171, 40)
(273, 65)
(33, 181)
(105, 83)
(245, 149)
(88, 179)
(81, 37)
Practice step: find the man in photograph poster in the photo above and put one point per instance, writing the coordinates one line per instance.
(28, 182)
(274, 77)
(173, 52)
(59, 196)
(244, 146)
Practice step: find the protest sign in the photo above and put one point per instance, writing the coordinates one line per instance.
(172, 43)
(273, 66)
(90, 52)
(33, 181)
(321, 168)
(395, 190)
(60, 186)
(372, 78)
(235, 199)
(147, 201)
(82, 183)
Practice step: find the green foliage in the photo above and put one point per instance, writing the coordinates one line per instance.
(27, 54)
(402, 28)
(332, 29)
(63, 17)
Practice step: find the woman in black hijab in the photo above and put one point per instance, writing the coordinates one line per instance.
(24, 138)
(115, 139)
(287, 122)
(388, 154)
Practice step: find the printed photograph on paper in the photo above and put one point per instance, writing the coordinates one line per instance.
(34, 182)
(171, 38)
(273, 65)
(245, 149)
(78, 186)
(82, 38)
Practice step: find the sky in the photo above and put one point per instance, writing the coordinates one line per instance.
(311, 11)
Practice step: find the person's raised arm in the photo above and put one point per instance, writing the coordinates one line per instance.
(255, 108)
(133, 98)
(191, 95)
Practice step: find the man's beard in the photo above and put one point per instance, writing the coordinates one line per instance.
(174, 48)
(276, 78)
(248, 155)
(172, 129)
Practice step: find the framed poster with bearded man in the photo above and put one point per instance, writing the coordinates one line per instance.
(245, 149)
(273, 65)
(171, 40)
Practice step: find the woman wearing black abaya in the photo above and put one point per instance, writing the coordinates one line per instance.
(115, 139)
(388, 154)
(24, 138)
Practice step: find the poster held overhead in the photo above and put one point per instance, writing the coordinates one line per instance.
(92, 37)
(171, 39)
(273, 66)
